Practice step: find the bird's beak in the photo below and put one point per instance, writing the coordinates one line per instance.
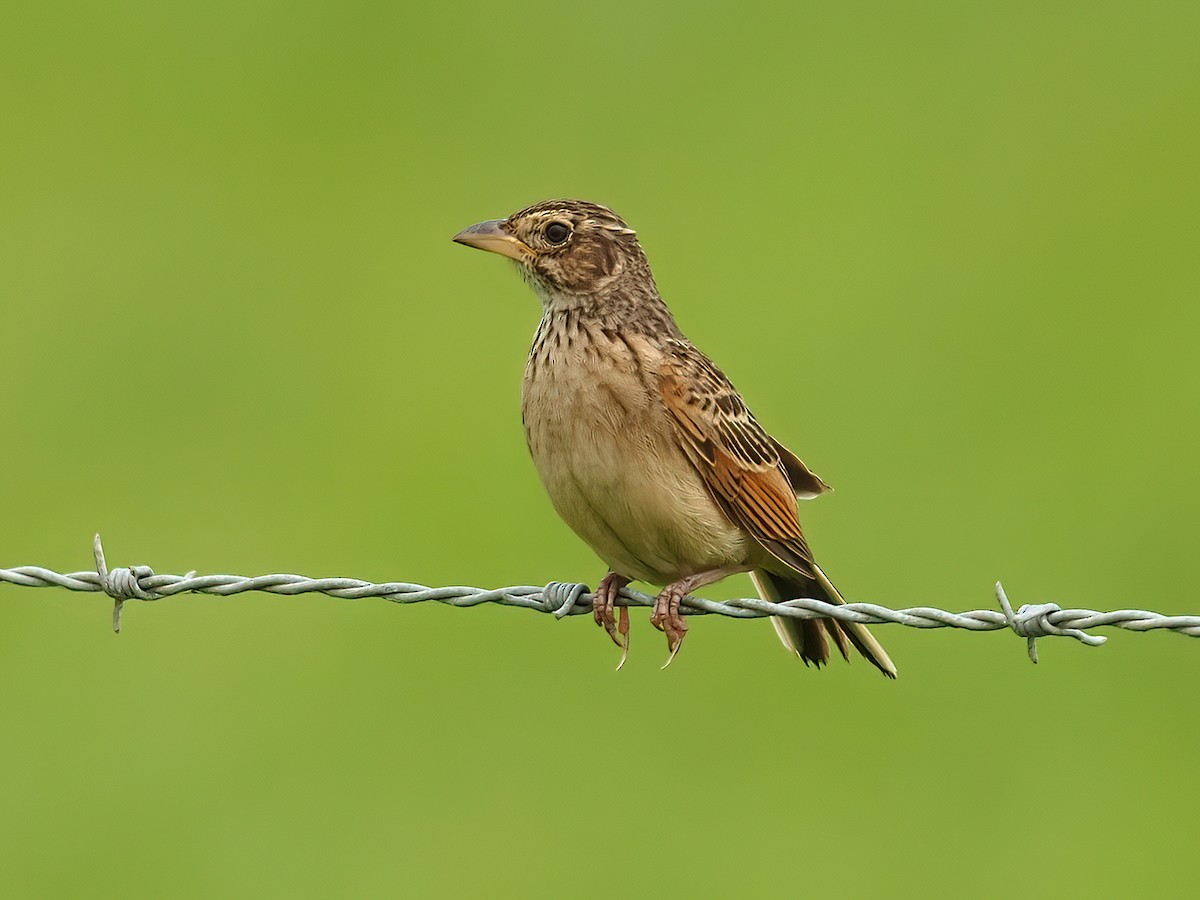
(491, 235)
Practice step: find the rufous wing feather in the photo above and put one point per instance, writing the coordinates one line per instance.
(737, 459)
(756, 481)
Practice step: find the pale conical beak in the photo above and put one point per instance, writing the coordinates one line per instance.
(491, 235)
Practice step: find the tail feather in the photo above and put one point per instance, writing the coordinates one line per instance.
(806, 637)
(839, 637)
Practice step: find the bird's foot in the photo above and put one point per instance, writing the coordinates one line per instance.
(604, 601)
(667, 617)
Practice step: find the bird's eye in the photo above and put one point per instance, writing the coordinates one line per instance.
(557, 232)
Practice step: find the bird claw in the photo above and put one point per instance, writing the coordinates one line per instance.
(668, 619)
(671, 658)
(623, 630)
(603, 604)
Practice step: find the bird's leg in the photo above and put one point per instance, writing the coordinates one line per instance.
(603, 602)
(667, 617)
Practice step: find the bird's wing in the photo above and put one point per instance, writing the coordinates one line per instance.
(745, 469)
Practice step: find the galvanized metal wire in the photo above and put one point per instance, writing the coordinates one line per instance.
(1031, 621)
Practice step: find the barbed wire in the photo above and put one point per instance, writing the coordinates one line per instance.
(1031, 621)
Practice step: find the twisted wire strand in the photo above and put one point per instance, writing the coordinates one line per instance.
(1031, 621)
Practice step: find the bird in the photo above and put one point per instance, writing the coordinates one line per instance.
(646, 449)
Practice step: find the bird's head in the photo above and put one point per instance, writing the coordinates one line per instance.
(572, 252)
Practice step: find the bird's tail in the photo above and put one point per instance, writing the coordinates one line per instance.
(807, 637)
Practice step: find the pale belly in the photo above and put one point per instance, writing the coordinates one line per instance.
(611, 463)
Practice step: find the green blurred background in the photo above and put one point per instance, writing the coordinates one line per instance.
(948, 251)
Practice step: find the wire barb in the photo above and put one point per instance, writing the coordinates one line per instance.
(1031, 621)
(560, 598)
(121, 584)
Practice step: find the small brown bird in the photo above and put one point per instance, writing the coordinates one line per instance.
(645, 447)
